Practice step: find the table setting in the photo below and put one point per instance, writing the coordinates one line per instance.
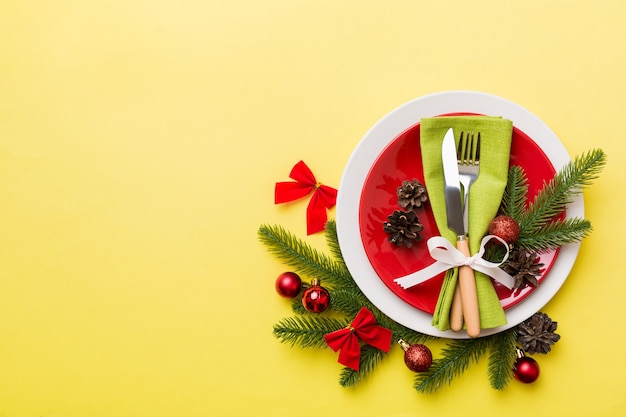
(459, 216)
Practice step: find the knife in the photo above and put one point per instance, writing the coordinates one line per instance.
(454, 211)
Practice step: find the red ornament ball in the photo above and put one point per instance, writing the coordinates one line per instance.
(288, 284)
(526, 369)
(316, 298)
(418, 357)
(505, 227)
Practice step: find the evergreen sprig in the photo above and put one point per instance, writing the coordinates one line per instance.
(455, 359)
(306, 331)
(370, 358)
(560, 191)
(501, 359)
(555, 234)
(514, 197)
(332, 240)
(302, 257)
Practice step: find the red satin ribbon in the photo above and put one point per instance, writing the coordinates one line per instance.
(363, 328)
(323, 198)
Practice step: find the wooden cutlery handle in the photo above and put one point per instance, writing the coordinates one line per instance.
(469, 298)
(456, 310)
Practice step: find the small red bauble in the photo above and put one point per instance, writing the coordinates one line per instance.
(418, 357)
(288, 284)
(525, 369)
(316, 298)
(505, 227)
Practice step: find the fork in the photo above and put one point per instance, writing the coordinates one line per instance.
(468, 158)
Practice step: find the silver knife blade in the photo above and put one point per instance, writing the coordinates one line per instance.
(454, 203)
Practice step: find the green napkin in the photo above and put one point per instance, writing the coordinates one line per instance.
(484, 201)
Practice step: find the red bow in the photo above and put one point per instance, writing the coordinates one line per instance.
(323, 198)
(363, 327)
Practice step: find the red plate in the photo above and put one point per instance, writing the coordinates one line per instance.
(401, 160)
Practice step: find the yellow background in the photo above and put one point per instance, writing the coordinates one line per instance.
(140, 141)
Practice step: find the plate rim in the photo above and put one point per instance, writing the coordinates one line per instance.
(365, 154)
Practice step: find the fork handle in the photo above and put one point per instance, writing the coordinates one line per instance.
(456, 310)
(469, 298)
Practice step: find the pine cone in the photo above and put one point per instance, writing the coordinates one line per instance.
(523, 266)
(536, 334)
(404, 227)
(411, 194)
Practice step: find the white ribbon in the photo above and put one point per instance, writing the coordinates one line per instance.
(447, 256)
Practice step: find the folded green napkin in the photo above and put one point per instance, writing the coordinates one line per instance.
(484, 201)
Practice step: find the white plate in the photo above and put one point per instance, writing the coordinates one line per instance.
(365, 155)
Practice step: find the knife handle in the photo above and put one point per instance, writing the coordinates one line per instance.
(469, 298)
(456, 311)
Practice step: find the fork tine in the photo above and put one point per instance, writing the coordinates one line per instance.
(476, 150)
(461, 148)
(468, 149)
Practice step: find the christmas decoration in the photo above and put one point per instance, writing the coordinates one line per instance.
(323, 198)
(403, 227)
(316, 298)
(505, 227)
(536, 334)
(288, 284)
(363, 328)
(417, 357)
(542, 227)
(411, 194)
(525, 369)
(523, 266)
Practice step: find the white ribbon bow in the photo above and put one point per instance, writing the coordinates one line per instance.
(447, 256)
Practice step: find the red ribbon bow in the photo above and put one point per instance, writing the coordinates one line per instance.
(323, 198)
(363, 327)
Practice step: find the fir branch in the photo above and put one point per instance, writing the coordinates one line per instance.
(555, 234)
(301, 256)
(400, 331)
(410, 336)
(501, 359)
(370, 358)
(306, 331)
(564, 187)
(514, 197)
(332, 240)
(349, 302)
(456, 358)
(297, 306)
(349, 299)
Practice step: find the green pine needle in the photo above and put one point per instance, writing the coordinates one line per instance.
(305, 331)
(555, 234)
(456, 358)
(299, 255)
(514, 197)
(349, 302)
(503, 354)
(564, 187)
(370, 358)
(332, 240)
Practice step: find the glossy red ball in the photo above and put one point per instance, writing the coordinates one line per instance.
(288, 284)
(316, 299)
(526, 370)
